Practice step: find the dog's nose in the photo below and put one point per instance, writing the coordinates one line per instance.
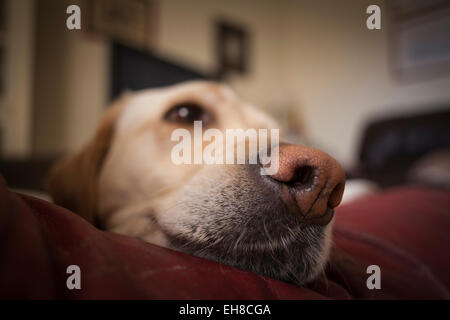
(312, 182)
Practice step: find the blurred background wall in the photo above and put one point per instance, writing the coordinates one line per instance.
(70, 81)
(315, 55)
(16, 79)
(311, 61)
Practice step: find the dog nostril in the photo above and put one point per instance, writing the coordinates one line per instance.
(336, 195)
(312, 182)
(303, 175)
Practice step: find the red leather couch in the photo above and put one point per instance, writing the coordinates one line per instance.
(405, 231)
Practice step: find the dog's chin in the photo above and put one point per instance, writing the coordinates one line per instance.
(298, 256)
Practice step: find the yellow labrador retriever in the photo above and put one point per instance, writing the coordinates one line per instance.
(124, 180)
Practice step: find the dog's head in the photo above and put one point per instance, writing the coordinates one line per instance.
(124, 178)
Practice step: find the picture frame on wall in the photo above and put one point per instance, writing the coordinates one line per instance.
(232, 43)
(129, 22)
(420, 39)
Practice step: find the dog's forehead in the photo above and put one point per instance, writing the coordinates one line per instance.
(145, 104)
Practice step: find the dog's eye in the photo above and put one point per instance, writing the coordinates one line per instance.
(187, 113)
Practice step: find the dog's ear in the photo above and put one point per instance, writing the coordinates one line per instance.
(72, 181)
